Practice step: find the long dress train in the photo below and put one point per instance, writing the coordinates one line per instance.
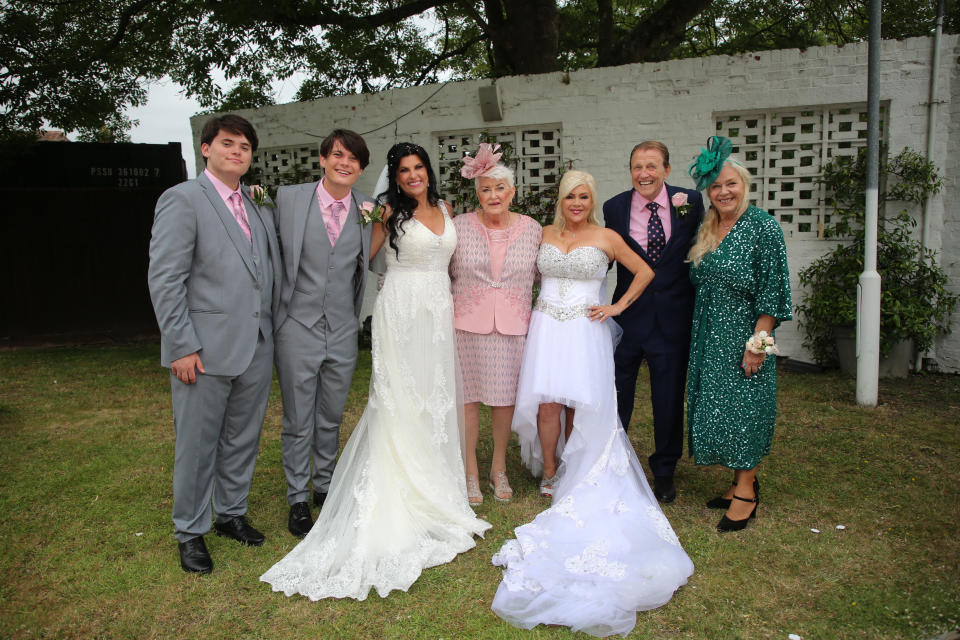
(397, 501)
(603, 550)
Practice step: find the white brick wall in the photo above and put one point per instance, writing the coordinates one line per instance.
(604, 112)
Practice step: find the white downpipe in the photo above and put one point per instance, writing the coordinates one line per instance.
(926, 222)
(868, 286)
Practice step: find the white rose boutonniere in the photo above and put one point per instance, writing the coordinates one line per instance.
(370, 212)
(679, 202)
(259, 195)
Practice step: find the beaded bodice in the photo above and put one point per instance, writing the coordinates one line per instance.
(571, 282)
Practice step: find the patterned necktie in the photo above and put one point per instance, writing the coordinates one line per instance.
(236, 203)
(334, 223)
(656, 239)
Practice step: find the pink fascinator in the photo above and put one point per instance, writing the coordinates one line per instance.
(485, 159)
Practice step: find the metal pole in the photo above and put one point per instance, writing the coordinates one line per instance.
(931, 128)
(868, 287)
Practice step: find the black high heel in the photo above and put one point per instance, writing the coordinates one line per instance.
(726, 524)
(720, 502)
(724, 503)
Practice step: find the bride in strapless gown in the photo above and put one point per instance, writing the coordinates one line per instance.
(603, 550)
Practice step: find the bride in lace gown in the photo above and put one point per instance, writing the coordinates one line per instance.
(397, 502)
(603, 550)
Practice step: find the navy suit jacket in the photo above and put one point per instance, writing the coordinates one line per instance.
(665, 309)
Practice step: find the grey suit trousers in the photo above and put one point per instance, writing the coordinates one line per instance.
(218, 422)
(314, 366)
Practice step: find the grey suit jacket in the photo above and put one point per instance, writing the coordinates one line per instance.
(202, 280)
(293, 204)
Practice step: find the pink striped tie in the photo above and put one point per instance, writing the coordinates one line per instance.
(236, 202)
(335, 222)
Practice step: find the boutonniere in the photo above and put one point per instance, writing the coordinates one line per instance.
(370, 212)
(259, 196)
(679, 201)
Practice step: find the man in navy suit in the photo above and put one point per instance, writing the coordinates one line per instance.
(660, 223)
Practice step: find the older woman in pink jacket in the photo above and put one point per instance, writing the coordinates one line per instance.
(492, 274)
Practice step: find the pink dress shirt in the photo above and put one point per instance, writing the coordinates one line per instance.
(325, 200)
(640, 216)
(223, 190)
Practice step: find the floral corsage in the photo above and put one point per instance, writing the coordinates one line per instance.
(259, 195)
(679, 202)
(370, 212)
(762, 342)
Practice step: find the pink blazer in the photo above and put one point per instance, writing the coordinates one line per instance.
(481, 305)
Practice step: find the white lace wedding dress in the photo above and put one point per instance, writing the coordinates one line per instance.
(397, 501)
(603, 550)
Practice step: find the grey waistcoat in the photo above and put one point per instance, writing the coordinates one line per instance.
(327, 280)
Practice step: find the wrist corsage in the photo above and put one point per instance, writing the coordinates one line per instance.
(679, 201)
(370, 212)
(761, 342)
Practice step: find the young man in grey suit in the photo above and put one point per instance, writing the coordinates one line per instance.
(326, 251)
(214, 279)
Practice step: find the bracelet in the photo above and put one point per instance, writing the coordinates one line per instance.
(762, 342)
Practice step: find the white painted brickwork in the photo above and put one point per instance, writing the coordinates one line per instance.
(602, 113)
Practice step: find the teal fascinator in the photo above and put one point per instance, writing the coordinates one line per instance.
(706, 167)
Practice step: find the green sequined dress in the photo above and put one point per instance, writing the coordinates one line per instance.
(731, 417)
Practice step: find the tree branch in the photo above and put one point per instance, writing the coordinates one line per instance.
(648, 39)
(125, 17)
(323, 17)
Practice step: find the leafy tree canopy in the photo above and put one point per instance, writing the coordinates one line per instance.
(76, 64)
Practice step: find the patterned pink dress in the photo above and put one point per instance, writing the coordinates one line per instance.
(492, 274)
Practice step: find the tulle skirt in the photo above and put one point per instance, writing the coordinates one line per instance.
(603, 550)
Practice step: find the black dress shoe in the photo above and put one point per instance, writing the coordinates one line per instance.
(300, 522)
(664, 489)
(319, 497)
(194, 557)
(240, 530)
(726, 524)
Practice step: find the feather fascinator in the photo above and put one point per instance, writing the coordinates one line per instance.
(484, 159)
(706, 167)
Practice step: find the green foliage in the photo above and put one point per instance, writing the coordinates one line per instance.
(70, 65)
(115, 129)
(536, 201)
(245, 95)
(915, 304)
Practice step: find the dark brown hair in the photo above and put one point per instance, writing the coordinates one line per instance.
(651, 145)
(351, 141)
(231, 123)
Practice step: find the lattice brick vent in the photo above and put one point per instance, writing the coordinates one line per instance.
(785, 150)
(536, 151)
(287, 165)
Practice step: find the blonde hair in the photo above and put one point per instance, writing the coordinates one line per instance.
(708, 237)
(570, 181)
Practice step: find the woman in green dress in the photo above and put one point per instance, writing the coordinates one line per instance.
(739, 272)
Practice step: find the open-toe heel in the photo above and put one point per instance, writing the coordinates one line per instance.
(501, 487)
(474, 497)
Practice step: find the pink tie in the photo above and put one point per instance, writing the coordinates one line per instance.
(236, 203)
(334, 224)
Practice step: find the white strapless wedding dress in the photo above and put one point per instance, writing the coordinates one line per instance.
(397, 501)
(603, 550)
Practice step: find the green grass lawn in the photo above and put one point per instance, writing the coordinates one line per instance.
(85, 492)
